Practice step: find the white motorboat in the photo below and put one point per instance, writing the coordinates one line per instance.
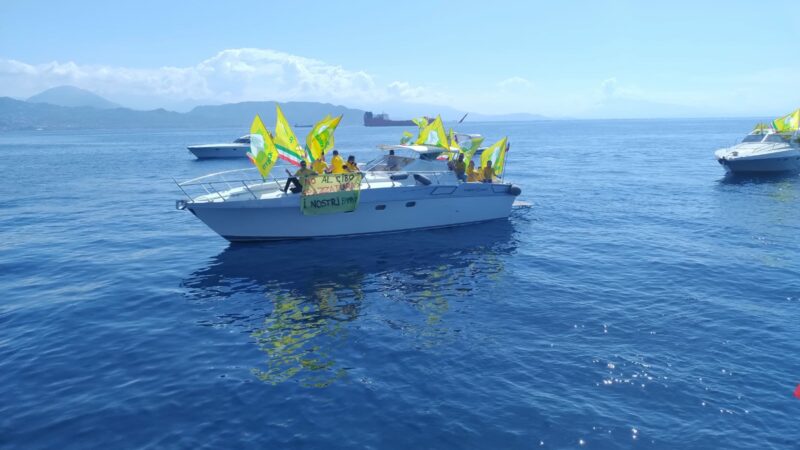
(762, 151)
(408, 191)
(235, 149)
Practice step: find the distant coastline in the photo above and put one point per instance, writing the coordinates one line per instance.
(66, 107)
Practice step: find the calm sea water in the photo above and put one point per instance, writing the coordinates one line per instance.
(644, 300)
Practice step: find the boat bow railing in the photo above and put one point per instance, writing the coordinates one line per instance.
(216, 184)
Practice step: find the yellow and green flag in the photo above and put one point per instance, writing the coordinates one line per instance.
(761, 128)
(496, 153)
(433, 134)
(285, 140)
(453, 145)
(788, 123)
(421, 122)
(320, 139)
(262, 150)
(469, 148)
(407, 138)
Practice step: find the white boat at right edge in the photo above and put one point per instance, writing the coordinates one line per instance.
(398, 193)
(757, 153)
(769, 148)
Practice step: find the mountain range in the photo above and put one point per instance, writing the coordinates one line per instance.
(67, 107)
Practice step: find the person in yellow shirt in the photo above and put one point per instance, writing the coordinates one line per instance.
(337, 163)
(487, 172)
(472, 174)
(319, 166)
(299, 178)
(351, 165)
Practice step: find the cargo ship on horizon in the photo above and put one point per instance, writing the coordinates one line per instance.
(383, 120)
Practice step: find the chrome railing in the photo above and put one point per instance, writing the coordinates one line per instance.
(212, 183)
(218, 186)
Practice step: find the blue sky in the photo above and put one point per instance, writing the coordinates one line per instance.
(568, 58)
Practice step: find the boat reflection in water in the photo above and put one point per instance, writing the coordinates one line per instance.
(302, 301)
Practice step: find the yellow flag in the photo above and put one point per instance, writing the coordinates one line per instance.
(474, 144)
(433, 134)
(285, 140)
(421, 122)
(262, 150)
(407, 137)
(788, 123)
(320, 139)
(761, 128)
(496, 153)
(453, 145)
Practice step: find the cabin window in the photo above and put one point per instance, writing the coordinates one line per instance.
(380, 207)
(410, 204)
(774, 138)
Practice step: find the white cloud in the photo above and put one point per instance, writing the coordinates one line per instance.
(230, 76)
(250, 74)
(515, 83)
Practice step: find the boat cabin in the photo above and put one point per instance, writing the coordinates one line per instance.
(412, 158)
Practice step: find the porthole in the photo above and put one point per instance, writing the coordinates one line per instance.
(380, 207)
(410, 204)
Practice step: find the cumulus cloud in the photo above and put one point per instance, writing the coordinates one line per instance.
(229, 76)
(515, 82)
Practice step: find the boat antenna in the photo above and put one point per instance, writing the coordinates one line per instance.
(462, 119)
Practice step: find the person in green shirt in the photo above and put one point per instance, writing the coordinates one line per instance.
(299, 178)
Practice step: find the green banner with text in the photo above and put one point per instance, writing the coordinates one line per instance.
(329, 193)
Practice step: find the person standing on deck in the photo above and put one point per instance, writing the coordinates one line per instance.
(319, 165)
(459, 167)
(488, 173)
(351, 165)
(337, 164)
(472, 174)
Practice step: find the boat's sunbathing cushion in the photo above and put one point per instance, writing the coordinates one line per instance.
(422, 179)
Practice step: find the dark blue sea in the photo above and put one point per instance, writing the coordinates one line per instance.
(643, 301)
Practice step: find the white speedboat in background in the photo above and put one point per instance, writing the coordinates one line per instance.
(408, 191)
(235, 149)
(762, 151)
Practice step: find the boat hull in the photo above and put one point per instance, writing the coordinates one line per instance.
(772, 164)
(219, 152)
(378, 212)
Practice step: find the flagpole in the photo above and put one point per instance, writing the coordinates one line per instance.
(505, 161)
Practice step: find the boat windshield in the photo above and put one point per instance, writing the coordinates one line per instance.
(388, 163)
(242, 140)
(774, 138)
(753, 138)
